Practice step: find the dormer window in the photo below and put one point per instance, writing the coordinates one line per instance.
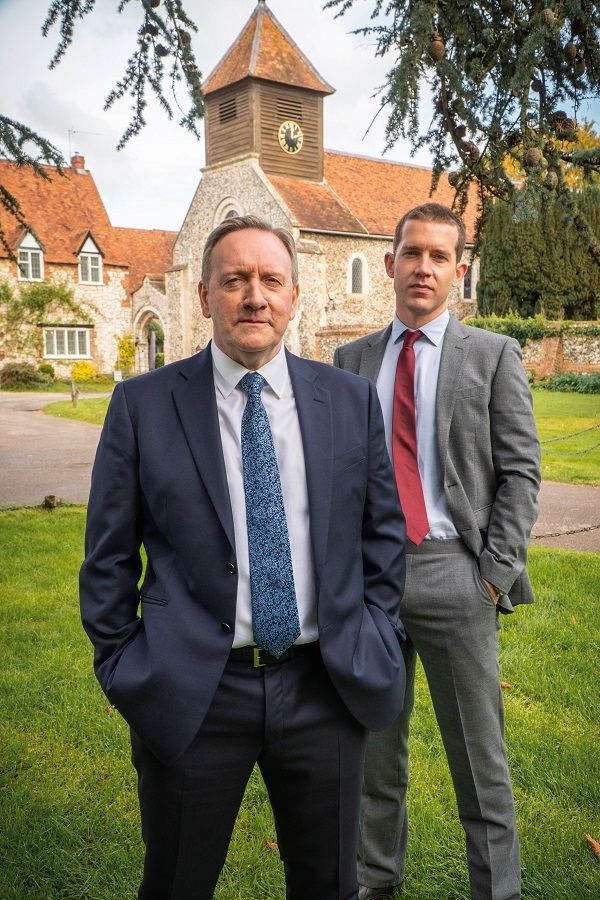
(90, 263)
(31, 259)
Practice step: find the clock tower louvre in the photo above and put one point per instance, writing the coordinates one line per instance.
(265, 97)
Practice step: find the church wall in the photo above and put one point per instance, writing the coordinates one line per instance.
(244, 184)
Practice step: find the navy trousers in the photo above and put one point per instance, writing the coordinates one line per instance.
(289, 720)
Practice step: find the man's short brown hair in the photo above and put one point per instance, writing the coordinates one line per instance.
(433, 212)
(241, 223)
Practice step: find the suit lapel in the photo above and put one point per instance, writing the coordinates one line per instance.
(314, 414)
(455, 350)
(372, 356)
(197, 408)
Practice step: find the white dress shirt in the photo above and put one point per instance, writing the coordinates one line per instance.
(428, 352)
(278, 399)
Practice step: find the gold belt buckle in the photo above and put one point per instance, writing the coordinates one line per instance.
(256, 651)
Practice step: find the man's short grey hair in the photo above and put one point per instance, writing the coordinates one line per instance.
(241, 223)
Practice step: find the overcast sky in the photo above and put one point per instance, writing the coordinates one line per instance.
(151, 183)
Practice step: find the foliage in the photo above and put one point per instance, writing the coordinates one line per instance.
(18, 375)
(164, 32)
(47, 369)
(531, 329)
(126, 353)
(29, 306)
(69, 813)
(537, 263)
(507, 77)
(574, 382)
(585, 138)
(82, 371)
(159, 360)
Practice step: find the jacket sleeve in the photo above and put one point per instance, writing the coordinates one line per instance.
(516, 459)
(108, 581)
(384, 531)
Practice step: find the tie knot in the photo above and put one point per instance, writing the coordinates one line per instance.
(252, 383)
(410, 337)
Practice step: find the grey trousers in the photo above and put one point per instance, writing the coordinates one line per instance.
(452, 625)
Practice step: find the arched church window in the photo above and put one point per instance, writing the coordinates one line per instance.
(358, 275)
(232, 214)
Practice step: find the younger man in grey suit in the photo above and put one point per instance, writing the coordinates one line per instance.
(461, 434)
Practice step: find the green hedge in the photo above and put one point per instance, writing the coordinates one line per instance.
(531, 329)
(576, 382)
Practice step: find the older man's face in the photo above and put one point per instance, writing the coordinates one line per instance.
(250, 296)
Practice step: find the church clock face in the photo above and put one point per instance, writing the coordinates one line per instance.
(290, 137)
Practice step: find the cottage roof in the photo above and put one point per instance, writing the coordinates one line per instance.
(61, 210)
(64, 210)
(264, 49)
(150, 252)
(362, 195)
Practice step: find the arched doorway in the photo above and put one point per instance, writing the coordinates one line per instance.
(149, 337)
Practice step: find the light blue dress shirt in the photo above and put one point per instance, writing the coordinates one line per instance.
(428, 352)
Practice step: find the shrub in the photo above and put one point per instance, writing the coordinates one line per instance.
(82, 371)
(47, 370)
(126, 353)
(575, 382)
(159, 360)
(18, 375)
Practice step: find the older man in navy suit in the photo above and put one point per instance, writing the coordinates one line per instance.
(260, 487)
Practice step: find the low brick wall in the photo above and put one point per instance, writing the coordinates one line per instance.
(563, 353)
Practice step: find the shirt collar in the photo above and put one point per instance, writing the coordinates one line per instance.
(434, 331)
(228, 372)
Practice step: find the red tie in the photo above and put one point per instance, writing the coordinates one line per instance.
(404, 443)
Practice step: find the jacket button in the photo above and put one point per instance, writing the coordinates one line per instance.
(226, 627)
(231, 568)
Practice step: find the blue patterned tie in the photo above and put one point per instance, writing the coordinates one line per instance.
(275, 620)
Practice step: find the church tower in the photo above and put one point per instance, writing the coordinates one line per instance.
(265, 97)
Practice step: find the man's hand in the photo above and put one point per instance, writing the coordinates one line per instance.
(494, 594)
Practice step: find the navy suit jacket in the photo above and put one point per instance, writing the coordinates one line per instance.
(159, 481)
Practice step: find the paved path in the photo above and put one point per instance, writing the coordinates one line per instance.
(41, 455)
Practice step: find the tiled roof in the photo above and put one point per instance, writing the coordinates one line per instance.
(264, 49)
(65, 209)
(315, 205)
(379, 192)
(148, 252)
(363, 195)
(61, 212)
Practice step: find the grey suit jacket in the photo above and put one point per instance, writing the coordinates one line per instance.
(487, 444)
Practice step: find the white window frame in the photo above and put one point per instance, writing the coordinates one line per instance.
(50, 347)
(94, 266)
(365, 275)
(26, 255)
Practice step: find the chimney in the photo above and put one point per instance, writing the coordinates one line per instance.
(78, 163)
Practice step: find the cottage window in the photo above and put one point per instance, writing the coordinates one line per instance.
(31, 265)
(90, 268)
(67, 343)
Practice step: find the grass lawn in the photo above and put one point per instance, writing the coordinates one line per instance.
(92, 410)
(68, 805)
(559, 414)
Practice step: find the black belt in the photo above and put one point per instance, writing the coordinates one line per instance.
(257, 657)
